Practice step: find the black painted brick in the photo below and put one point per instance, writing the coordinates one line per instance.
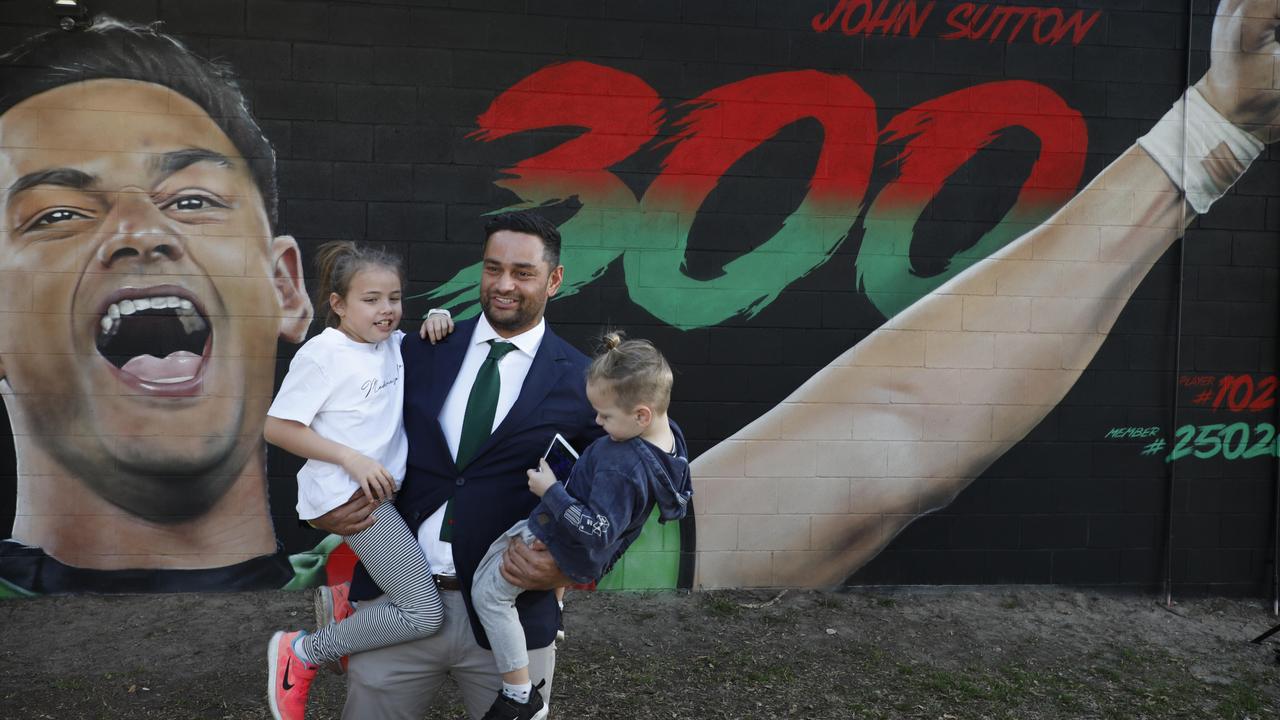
(642, 9)
(324, 219)
(1236, 212)
(1145, 29)
(293, 100)
(452, 106)
(677, 42)
(1036, 62)
(333, 63)
(1086, 567)
(277, 19)
(793, 14)
(1052, 532)
(386, 104)
(450, 28)
(752, 46)
(1125, 531)
(332, 141)
(451, 183)
(984, 532)
(596, 38)
(253, 58)
(412, 143)
(721, 12)
(412, 66)
(205, 18)
(369, 181)
(306, 179)
(523, 33)
(969, 58)
(369, 24)
(419, 223)
(572, 8)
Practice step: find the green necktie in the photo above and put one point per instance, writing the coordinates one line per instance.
(477, 422)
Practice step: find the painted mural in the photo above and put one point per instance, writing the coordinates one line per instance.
(917, 264)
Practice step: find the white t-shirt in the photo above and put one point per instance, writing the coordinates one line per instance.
(351, 393)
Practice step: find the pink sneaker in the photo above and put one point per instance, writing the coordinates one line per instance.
(288, 678)
(333, 605)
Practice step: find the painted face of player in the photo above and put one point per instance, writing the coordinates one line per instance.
(516, 281)
(143, 294)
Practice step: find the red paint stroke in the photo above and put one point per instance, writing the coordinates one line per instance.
(340, 566)
(619, 111)
(946, 132)
(731, 120)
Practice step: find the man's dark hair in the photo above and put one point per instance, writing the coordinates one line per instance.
(524, 221)
(110, 49)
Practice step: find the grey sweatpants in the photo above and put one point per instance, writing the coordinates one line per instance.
(494, 600)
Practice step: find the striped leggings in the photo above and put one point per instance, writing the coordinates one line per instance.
(391, 554)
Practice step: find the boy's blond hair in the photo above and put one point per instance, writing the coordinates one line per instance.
(635, 371)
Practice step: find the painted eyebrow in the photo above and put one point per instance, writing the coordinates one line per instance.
(165, 165)
(178, 160)
(62, 177)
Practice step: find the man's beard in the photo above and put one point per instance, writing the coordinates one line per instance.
(522, 316)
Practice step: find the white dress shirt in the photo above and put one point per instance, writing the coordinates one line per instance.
(512, 370)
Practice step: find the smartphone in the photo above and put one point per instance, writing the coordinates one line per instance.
(561, 456)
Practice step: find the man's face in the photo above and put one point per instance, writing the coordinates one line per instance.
(516, 281)
(141, 293)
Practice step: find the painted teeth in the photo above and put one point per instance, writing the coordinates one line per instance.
(186, 312)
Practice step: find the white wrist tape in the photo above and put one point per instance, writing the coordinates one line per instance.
(1217, 152)
(439, 311)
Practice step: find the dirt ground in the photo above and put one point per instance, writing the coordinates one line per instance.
(911, 653)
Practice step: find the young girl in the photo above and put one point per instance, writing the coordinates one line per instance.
(340, 406)
(588, 521)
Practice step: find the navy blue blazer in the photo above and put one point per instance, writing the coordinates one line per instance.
(491, 493)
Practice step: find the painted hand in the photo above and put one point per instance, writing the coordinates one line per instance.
(1240, 82)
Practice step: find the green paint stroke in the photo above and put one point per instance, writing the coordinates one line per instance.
(651, 563)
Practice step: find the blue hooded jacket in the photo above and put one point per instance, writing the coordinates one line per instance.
(590, 520)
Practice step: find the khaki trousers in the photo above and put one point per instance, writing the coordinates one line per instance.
(400, 682)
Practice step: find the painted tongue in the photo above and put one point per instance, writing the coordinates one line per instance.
(176, 367)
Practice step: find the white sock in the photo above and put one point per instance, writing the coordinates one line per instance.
(300, 649)
(519, 693)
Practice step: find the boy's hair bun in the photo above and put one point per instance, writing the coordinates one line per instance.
(635, 371)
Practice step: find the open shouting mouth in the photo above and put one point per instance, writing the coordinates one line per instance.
(156, 338)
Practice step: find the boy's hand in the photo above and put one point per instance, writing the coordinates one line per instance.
(375, 480)
(436, 327)
(541, 479)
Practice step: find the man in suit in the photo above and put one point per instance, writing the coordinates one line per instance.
(469, 446)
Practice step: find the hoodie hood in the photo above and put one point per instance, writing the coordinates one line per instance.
(667, 475)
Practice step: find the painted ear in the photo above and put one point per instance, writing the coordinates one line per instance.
(295, 306)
